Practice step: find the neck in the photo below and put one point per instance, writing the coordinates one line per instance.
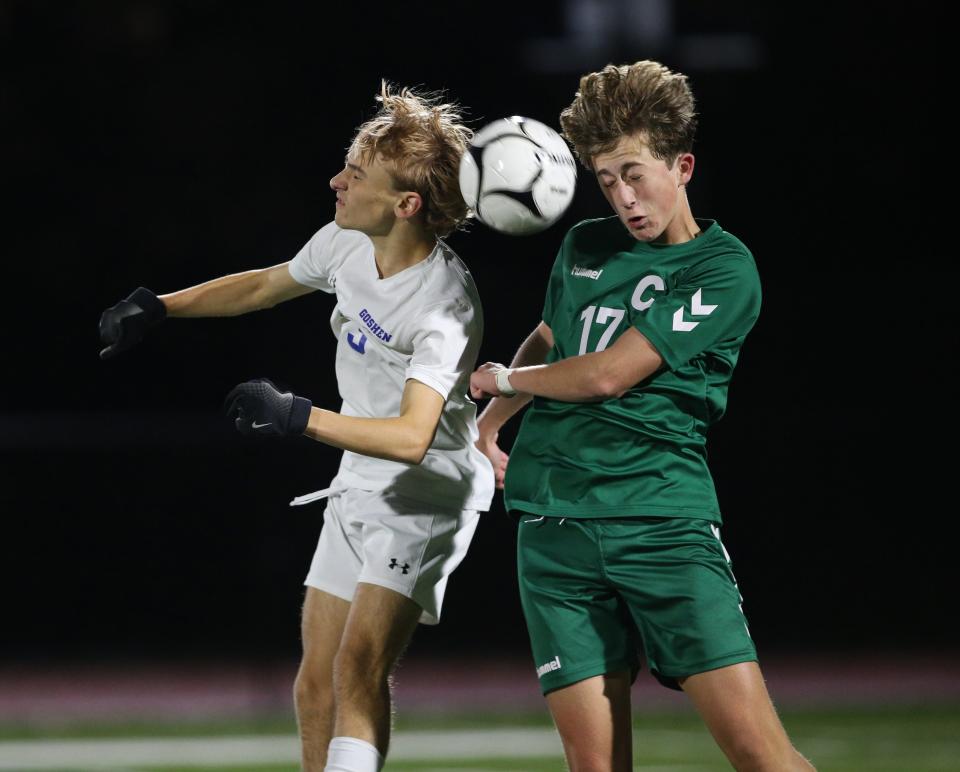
(400, 249)
(682, 227)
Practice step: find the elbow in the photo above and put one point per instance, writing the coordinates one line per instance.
(609, 388)
(262, 296)
(415, 451)
(412, 456)
(260, 300)
(417, 458)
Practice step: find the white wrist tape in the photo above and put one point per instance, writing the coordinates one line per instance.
(503, 382)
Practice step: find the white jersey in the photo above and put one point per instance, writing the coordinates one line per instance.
(424, 323)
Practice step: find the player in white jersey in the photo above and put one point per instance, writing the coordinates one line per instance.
(404, 504)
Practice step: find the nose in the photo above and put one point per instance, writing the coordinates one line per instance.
(624, 195)
(336, 182)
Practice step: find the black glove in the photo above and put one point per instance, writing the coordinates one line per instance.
(258, 407)
(123, 326)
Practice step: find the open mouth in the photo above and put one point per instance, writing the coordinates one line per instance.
(637, 222)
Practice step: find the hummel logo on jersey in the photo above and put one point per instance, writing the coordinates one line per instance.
(255, 425)
(586, 272)
(375, 328)
(549, 667)
(697, 308)
(405, 568)
(357, 345)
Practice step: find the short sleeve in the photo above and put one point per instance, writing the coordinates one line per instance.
(446, 347)
(554, 288)
(315, 265)
(712, 303)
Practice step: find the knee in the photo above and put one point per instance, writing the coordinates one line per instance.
(312, 689)
(359, 667)
(749, 756)
(589, 763)
(752, 754)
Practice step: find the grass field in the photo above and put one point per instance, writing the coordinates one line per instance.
(894, 739)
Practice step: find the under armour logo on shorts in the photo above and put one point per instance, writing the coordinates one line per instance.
(405, 567)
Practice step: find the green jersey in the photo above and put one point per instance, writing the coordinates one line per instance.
(644, 453)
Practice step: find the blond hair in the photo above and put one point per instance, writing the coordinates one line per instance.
(644, 97)
(422, 139)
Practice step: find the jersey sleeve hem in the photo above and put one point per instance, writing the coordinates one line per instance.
(300, 276)
(428, 380)
(659, 342)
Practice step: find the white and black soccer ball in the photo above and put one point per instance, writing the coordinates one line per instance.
(518, 175)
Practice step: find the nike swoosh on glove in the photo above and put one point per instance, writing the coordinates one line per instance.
(258, 407)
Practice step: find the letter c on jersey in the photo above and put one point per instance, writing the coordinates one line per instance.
(646, 283)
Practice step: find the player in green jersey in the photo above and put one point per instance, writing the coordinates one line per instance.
(619, 547)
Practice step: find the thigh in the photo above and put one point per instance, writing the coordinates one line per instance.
(378, 627)
(676, 577)
(593, 719)
(578, 625)
(736, 707)
(322, 624)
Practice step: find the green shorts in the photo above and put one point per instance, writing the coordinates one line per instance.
(596, 591)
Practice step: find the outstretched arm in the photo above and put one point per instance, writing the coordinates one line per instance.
(123, 325)
(590, 377)
(235, 294)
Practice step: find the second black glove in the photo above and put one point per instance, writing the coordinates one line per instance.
(258, 407)
(123, 326)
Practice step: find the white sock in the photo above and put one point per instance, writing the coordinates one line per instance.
(348, 754)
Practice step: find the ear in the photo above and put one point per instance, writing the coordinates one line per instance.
(409, 204)
(684, 163)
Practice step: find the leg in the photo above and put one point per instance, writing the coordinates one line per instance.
(379, 627)
(322, 624)
(583, 640)
(736, 707)
(593, 718)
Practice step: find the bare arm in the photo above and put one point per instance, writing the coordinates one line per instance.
(123, 325)
(589, 377)
(235, 294)
(406, 438)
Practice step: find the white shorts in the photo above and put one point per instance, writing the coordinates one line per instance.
(379, 538)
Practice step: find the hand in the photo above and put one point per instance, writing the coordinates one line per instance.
(258, 407)
(483, 381)
(123, 326)
(488, 446)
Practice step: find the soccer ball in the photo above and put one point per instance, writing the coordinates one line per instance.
(518, 176)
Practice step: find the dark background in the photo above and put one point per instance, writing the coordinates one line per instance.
(166, 143)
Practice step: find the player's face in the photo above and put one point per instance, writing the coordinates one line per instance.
(647, 195)
(366, 196)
